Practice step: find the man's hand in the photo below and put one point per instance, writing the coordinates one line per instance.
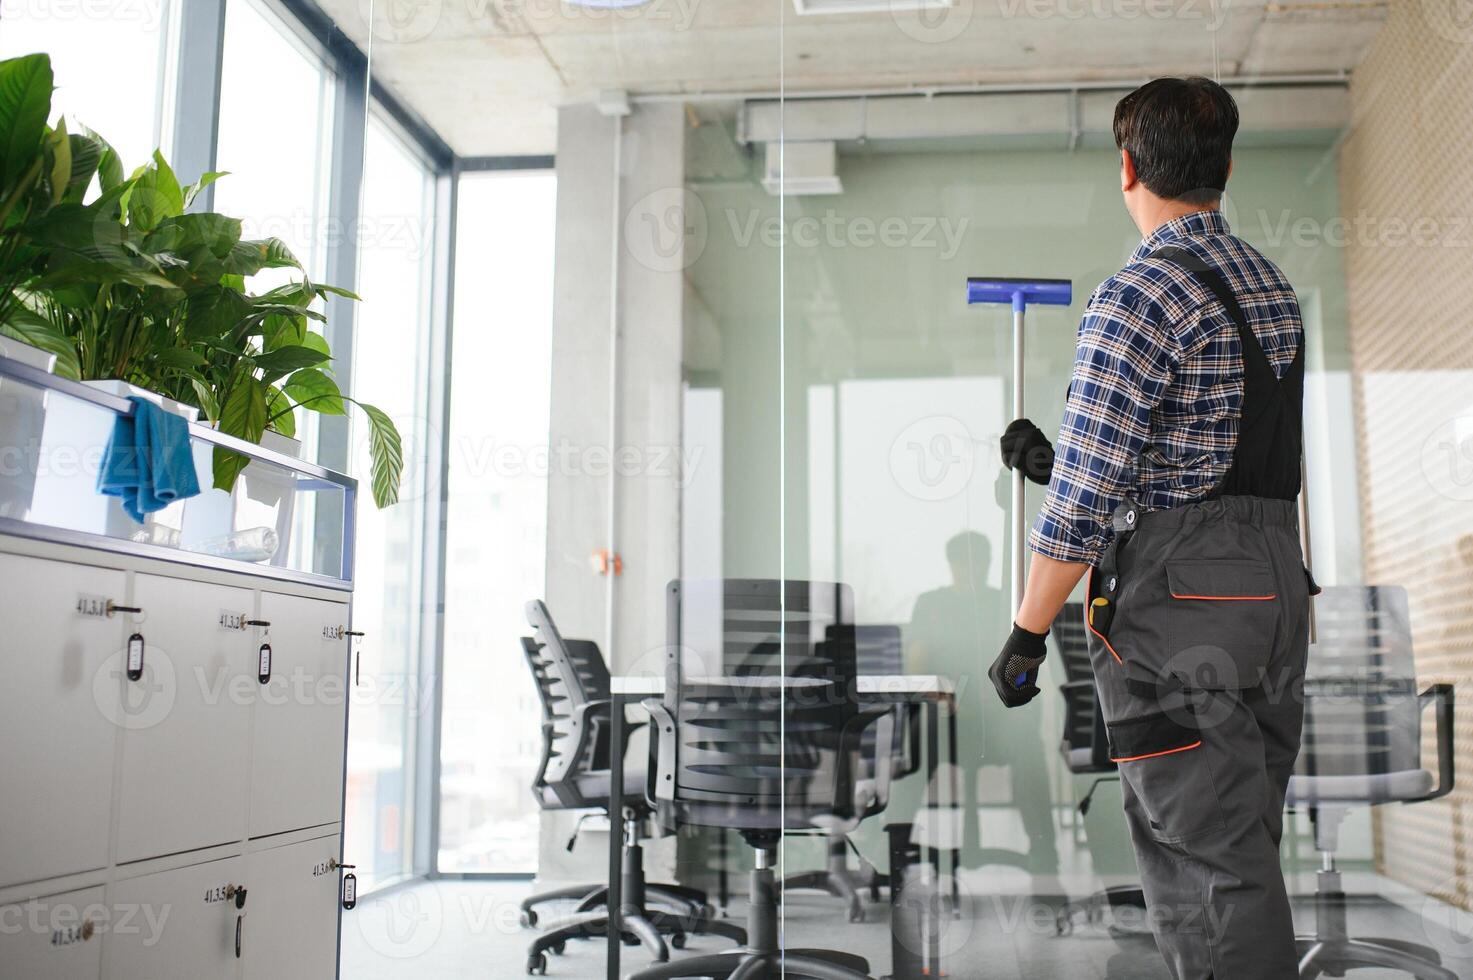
(1026, 448)
(1015, 671)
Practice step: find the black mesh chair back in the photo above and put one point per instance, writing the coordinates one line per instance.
(759, 726)
(880, 652)
(1084, 746)
(1362, 714)
(573, 686)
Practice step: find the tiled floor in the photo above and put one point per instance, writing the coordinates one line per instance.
(460, 929)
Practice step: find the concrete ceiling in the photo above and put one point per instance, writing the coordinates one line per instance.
(488, 75)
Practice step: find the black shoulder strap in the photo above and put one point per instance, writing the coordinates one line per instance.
(1213, 280)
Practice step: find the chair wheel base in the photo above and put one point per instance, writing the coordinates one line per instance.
(536, 964)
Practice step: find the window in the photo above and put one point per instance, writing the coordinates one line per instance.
(277, 160)
(497, 519)
(390, 346)
(108, 61)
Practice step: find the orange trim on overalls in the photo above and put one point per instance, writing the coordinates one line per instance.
(1227, 598)
(1152, 755)
(1088, 588)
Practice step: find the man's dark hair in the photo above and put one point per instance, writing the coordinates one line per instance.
(1179, 132)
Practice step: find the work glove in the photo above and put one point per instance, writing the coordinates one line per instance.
(1015, 671)
(1026, 448)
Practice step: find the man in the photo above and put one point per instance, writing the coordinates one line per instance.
(1174, 484)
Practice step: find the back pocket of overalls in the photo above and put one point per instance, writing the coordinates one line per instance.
(1221, 621)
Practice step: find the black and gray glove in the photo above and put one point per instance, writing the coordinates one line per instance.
(1015, 671)
(1026, 448)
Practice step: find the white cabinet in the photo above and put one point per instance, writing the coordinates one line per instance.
(186, 755)
(298, 731)
(185, 924)
(58, 937)
(61, 683)
(291, 923)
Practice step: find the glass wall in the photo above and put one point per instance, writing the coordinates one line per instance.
(499, 463)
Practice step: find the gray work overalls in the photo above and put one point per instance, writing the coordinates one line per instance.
(1198, 626)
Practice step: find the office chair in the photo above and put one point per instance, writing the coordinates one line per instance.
(878, 652)
(765, 743)
(1086, 752)
(1362, 747)
(573, 687)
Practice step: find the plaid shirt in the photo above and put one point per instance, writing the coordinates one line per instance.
(1157, 389)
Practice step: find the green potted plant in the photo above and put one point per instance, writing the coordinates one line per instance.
(129, 285)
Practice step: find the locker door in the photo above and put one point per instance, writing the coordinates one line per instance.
(183, 773)
(298, 731)
(54, 938)
(291, 923)
(183, 924)
(58, 718)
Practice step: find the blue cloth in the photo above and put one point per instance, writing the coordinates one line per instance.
(148, 462)
(1153, 404)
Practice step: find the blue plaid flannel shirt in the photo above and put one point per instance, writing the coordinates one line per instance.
(1157, 389)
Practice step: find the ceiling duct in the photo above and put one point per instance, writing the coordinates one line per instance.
(795, 167)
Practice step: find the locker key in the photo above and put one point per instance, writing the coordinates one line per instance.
(113, 607)
(240, 894)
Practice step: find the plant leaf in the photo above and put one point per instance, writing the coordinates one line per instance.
(284, 360)
(86, 154)
(109, 165)
(228, 464)
(315, 391)
(243, 415)
(25, 102)
(386, 456)
(205, 180)
(279, 412)
(339, 291)
(156, 195)
(30, 328)
(213, 312)
(61, 161)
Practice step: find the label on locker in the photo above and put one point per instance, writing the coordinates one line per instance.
(92, 605)
(263, 664)
(232, 620)
(135, 657)
(333, 632)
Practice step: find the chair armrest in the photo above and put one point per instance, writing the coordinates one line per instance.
(660, 773)
(850, 742)
(1441, 695)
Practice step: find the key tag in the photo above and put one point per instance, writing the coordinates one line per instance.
(350, 890)
(135, 657)
(263, 664)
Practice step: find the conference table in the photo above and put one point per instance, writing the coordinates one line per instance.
(933, 694)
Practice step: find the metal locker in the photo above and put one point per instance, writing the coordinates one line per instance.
(58, 937)
(300, 715)
(184, 768)
(59, 711)
(291, 923)
(186, 923)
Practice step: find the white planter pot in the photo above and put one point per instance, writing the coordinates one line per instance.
(22, 420)
(254, 521)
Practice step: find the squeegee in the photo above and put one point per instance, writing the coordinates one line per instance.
(1019, 293)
